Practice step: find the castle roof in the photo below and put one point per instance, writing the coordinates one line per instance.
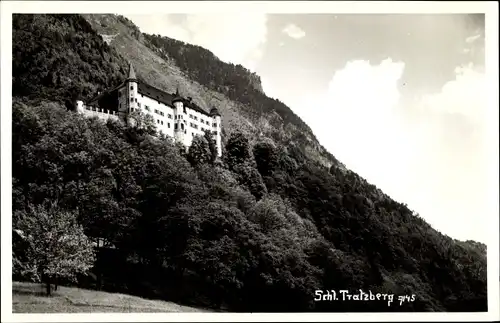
(95, 99)
(131, 72)
(214, 112)
(155, 94)
(177, 96)
(167, 98)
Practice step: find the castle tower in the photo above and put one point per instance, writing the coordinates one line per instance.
(131, 90)
(216, 120)
(180, 123)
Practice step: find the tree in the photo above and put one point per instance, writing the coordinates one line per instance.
(142, 121)
(237, 149)
(212, 146)
(199, 151)
(250, 177)
(58, 247)
(266, 157)
(268, 215)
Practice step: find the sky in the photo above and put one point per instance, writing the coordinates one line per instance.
(398, 98)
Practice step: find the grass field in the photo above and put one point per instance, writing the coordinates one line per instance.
(30, 298)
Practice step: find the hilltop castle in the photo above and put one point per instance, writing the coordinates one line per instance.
(174, 116)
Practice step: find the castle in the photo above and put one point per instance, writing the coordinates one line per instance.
(175, 116)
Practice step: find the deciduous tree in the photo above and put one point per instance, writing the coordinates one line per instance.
(199, 151)
(57, 245)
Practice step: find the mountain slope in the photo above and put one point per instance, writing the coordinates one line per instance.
(278, 218)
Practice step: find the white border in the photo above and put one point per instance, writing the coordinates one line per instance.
(145, 7)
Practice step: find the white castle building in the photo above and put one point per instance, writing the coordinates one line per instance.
(174, 116)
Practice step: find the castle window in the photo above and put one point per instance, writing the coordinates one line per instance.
(182, 126)
(132, 109)
(175, 126)
(169, 116)
(157, 121)
(131, 88)
(131, 100)
(168, 124)
(147, 108)
(161, 122)
(135, 99)
(139, 105)
(214, 124)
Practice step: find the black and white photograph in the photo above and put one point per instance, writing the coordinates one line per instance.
(249, 158)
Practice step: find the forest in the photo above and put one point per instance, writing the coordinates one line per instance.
(258, 230)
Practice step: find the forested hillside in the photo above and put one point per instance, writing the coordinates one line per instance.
(57, 57)
(259, 230)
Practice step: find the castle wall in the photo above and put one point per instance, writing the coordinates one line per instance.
(198, 122)
(102, 114)
(218, 134)
(162, 114)
(123, 101)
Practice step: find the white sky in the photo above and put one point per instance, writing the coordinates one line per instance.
(400, 100)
